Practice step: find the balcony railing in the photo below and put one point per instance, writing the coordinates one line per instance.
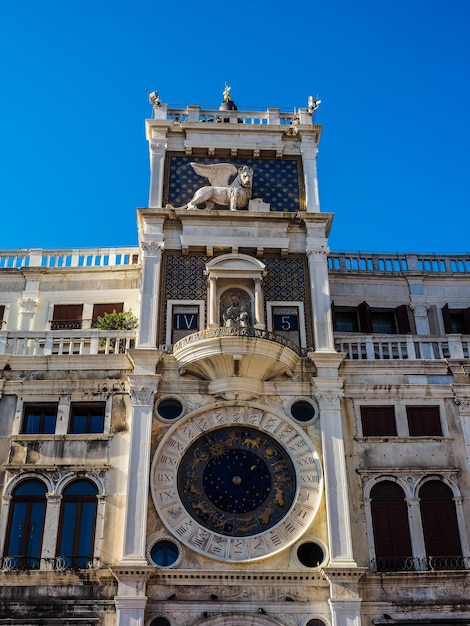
(238, 332)
(36, 343)
(387, 347)
(58, 563)
(413, 564)
(94, 257)
(397, 263)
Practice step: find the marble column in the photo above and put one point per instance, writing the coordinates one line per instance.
(259, 305)
(416, 532)
(51, 526)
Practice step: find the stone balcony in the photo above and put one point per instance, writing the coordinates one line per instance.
(65, 342)
(377, 347)
(245, 353)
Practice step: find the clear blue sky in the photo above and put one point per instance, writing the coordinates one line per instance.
(393, 75)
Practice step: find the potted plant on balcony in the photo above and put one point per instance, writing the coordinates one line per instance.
(124, 320)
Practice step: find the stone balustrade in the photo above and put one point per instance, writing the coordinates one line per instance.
(274, 117)
(92, 257)
(78, 342)
(383, 347)
(389, 263)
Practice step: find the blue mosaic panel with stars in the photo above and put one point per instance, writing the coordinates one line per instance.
(275, 181)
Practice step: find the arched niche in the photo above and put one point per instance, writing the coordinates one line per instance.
(236, 273)
(239, 619)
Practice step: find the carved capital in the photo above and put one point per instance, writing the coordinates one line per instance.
(157, 148)
(28, 305)
(322, 251)
(142, 396)
(152, 248)
(142, 389)
(420, 309)
(329, 399)
(463, 405)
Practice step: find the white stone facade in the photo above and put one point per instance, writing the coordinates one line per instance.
(283, 440)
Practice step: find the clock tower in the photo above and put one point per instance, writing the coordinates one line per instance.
(237, 505)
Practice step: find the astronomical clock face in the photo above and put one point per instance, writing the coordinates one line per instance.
(236, 483)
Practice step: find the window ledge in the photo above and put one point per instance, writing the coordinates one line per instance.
(67, 437)
(408, 439)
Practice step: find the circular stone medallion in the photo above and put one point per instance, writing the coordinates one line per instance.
(236, 482)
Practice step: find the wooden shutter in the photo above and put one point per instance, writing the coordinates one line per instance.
(100, 309)
(424, 421)
(378, 421)
(67, 312)
(402, 314)
(466, 319)
(433, 320)
(446, 319)
(67, 316)
(390, 521)
(365, 317)
(439, 518)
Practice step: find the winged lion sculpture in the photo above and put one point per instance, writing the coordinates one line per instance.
(236, 195)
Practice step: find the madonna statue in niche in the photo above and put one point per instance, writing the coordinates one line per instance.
(235, 306)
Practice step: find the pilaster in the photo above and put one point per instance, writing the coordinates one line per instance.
(309, 150)
(131, 598)
(143, 387)
(157, 146)
(345, 602)
(317, 255)
(151, 276)
(328, 390)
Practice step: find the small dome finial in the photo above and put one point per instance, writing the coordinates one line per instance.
(228, 104)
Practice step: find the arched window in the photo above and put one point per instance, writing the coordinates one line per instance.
(391, 530)
(77, 526)
(25, 526)
(440, 527)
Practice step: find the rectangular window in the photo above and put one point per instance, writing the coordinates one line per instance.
(100, 309)
(424, 421)
(287, 319)
(185, 320)
(346, 321)
(39, 419)
(286, 322)
(383, 322)
(67, 316)
(378, 421)
(87, 418)
(2, 315)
